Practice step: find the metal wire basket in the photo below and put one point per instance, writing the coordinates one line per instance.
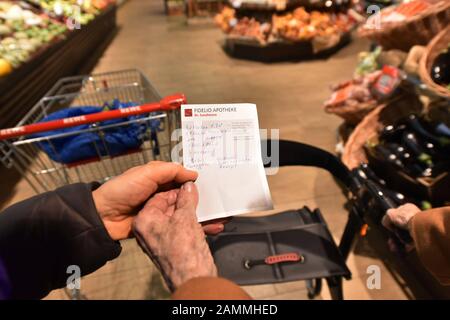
(21, 149)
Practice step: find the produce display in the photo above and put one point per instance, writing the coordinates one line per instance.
(440, 70)
(82, 11)
(298, 25)
(410, 23)
(351, 93)
(249, 27)
(400, 13)
(22, 33)
(25, 29)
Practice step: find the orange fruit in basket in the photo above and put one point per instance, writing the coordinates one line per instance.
(5, 68)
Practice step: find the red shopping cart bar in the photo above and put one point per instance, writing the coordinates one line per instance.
(168, 103)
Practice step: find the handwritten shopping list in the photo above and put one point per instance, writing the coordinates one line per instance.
(222, 143)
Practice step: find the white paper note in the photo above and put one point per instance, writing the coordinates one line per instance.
(222, 143)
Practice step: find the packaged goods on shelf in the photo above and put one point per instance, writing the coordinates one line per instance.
(412, 155)
(414, 146)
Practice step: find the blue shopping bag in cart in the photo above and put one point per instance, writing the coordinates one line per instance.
(116, 139)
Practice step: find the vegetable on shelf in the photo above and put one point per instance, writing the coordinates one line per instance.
(5, 67)
(25, 29)
(82, 11)
(297, 25)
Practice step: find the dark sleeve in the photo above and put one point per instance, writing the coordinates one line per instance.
(42, 236)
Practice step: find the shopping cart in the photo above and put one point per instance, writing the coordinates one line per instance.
(33, 147)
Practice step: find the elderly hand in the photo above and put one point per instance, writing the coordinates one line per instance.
(400, 217)
(168, 231)
(118, 200)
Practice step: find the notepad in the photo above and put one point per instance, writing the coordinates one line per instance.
(222, 143)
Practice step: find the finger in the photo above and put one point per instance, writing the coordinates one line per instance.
(387, 223)
(217, 221)
(213, 229)
(157, 210)
(164, 172)
(187, 197)
(159, 201)
(410, 207)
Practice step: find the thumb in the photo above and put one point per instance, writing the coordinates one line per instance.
(187, 197)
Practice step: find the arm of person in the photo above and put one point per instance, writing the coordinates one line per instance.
(78, 225)
(210, 288)
(168, 232)
(44, 235)
(430, 230)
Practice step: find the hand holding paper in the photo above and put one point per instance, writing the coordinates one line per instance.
(222, 143)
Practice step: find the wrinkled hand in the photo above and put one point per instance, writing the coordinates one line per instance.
(118, 200)
(400, 217)
(168, 231)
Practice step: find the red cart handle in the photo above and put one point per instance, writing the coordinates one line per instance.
(168, 103)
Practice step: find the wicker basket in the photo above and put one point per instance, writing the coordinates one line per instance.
(416, 30)
(373, 123)
(434, 48)
(352, 114)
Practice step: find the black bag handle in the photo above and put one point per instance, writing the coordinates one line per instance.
(292, 153)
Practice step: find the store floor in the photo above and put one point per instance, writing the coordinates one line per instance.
(289, 96)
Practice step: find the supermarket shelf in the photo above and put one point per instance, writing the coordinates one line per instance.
(251, 49)
(20, 90)
(272, 7)
(265, 6)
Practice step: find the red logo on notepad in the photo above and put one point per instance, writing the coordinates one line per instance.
(188, 112)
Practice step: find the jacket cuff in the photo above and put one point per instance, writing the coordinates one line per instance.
(210, 288)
